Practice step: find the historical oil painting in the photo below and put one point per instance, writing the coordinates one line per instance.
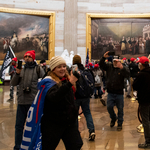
(24, 32)
(128, 37)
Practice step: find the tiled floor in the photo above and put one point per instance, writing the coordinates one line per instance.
(106, 138)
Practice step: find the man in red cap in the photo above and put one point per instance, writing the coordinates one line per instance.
(12, 71)
(27, 79)
(133, 67)
(142, 85)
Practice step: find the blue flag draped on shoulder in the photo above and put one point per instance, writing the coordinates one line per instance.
(7, 60)
(32, 133)
(87, 58)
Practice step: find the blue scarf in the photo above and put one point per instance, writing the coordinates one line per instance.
(32, 134)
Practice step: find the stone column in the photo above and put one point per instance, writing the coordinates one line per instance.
(70, 26)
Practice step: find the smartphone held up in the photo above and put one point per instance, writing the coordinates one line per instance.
(111, 53)
(19, 64)
(75, 70)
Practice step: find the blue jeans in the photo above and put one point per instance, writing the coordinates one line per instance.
(118, 100)
(84, 103)
(100, 93)
(21, 116)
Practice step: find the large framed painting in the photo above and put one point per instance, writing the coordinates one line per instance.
(25, 30)
(127, 35)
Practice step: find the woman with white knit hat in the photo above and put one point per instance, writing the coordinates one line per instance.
(59, 120)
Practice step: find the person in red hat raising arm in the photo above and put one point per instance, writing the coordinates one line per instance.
(27, 79)
(142, 85)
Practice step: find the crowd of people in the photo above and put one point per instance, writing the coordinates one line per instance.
(47, 109)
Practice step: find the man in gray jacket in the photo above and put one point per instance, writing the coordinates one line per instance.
(27, 79)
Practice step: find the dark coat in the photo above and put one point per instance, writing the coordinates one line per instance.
(59, 106)
(12, 70)
(133, 67)
(115, 77)
(142, 85)
(81, 67)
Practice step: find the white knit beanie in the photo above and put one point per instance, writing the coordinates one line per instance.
(56, 61)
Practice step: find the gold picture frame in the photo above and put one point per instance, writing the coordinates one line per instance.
(89, 16)
(49, 14)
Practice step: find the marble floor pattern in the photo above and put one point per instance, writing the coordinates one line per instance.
(106, 138)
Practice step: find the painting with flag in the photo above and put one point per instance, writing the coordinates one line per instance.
(87, 59)
(7, 60)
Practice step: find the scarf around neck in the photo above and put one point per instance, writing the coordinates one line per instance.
(30, 64)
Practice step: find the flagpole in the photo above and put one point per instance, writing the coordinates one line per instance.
(12, 51)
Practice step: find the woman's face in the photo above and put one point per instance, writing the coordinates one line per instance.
(60, 70)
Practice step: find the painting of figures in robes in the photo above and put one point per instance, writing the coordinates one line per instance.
(127, 37)
(24, 32)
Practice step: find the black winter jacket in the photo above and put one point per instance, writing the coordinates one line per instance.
(59, 106)
(81, 67)
(115, 77)
(142, 85)
(133, 67)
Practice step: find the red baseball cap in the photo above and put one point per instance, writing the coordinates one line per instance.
(15, 59)
(90, 64)
(96, 66)
(132, 59)
(124, 58)
(143, 60)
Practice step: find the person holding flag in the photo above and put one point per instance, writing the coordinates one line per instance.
(12, 71)
(53, 114)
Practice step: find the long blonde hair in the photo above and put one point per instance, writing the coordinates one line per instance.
(57, 79)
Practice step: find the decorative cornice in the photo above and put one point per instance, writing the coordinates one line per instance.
(26, 11)
(95, 15)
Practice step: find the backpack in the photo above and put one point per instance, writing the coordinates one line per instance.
(85, 84)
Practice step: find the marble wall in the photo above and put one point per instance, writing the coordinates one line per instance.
(83, 7)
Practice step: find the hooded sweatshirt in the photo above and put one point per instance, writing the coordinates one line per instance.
(142, 85)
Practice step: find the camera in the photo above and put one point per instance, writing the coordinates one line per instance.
(27, 90)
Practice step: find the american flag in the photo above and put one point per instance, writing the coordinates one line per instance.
(87, 58)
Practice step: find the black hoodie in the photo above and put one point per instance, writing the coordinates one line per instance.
(133, 67)
(142, 85)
